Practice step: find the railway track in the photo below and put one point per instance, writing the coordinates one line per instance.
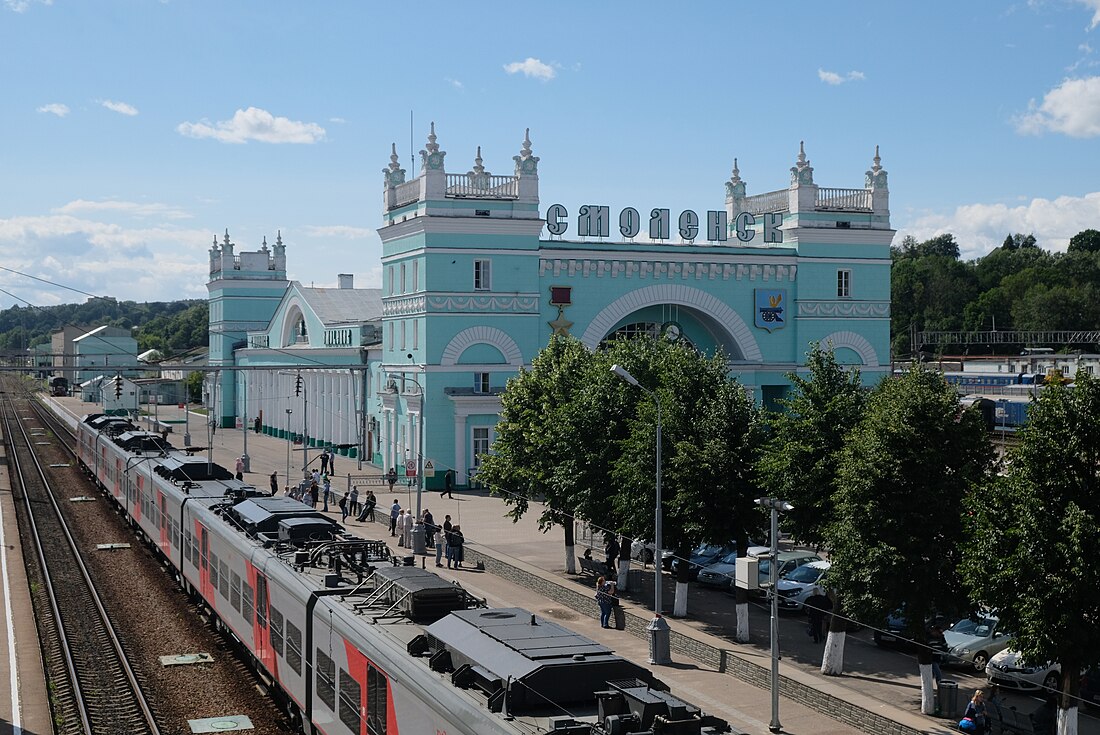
(94, 690)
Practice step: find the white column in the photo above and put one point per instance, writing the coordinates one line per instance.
(460, 448)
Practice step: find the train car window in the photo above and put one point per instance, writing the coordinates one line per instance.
(213, 571)
(350, 694)
(224, 586)
(294, 647)
(377, 701)
(235, 592)
(326, 680)
(261, 601)
(276, 631)
(246, 604)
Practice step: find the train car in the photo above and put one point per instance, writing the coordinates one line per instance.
(976, 381)
(350, 642)
(59, 385)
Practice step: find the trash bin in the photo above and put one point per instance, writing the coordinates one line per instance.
(620, 617)
(947, 699)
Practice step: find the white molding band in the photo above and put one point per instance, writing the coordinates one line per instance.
(482, 335)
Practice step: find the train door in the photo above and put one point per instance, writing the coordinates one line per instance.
(205, 588)
(261, 630)
(162, 521)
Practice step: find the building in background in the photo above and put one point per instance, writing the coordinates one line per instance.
(477, 276)
(105, 351)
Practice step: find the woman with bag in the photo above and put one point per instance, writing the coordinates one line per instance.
(605, 598)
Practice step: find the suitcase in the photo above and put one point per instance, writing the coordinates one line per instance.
(620, 617)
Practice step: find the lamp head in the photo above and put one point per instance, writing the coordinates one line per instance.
(624, 374)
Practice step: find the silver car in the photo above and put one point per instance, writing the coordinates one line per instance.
(973, 641)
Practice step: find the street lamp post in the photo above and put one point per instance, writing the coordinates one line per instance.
(419, 545)
(659, 652)
(288, 443)
(776, 505)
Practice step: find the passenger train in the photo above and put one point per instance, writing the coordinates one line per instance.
(351, 642)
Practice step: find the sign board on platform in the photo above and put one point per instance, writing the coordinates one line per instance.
(410, 467)
(429, 468)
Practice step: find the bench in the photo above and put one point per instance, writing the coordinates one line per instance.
(592, 566)
(1006, 718)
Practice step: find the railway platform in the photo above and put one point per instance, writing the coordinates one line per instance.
(24, 704)
(879, 691)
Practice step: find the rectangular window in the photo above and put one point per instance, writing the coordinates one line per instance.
(481, 382)
(389, 272)
(224, 580)
(481, 275)
(402, 278)
(276, 631)
(350, 697)
(261, 601)
(844, 284)
(377, 701)
(213, 571)
(403, 324)
(416, 276)
(390, 325)
(326, 679)
(293, 647)
(1088, 369)
(246, 604)
(416, 334)
(481, 443)
(235, 592)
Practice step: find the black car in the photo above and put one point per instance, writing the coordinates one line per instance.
(703, 555)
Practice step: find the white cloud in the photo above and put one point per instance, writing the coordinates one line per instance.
(831, 77)
(455, 83)
(337, 120)
(1071, 108)
(254, 124)
(55, 108)
(20, 6)
(120, 107)
(531, 68)
(345, 232)
(1094, 6)
(141, 264)
(135, 209)
(981, 227)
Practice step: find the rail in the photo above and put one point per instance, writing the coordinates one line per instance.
(103, 703)
(772, 201)
(845, 200)
(482, 186)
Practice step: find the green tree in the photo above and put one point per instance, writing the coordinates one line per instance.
(1018, 241)
(904, 473)
(1034, 537)
(710, 443)
(799, 462)
(1086, 240)
(194, 385)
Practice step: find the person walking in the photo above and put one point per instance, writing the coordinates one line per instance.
(402, 520)
(454, 547)
(816, 606)
(605, 598)
(274, 483)
(344, 507)
(448, 484)
(314, 494)
(429, 528)
(611, 554)
(326, 490)
(391, 478)
(354, 501)
(239, 470)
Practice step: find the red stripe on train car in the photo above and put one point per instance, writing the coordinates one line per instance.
(261, 632)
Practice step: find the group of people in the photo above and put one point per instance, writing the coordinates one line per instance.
(445, 538)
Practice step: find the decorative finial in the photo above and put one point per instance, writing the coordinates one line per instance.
(525, 162)
(394, 160)
(264, 246)
(431, 157)
(735, 187)
(877, 167)
(478, 168)
(736, 177)
(227, 236)
(278, 238)
(802, 172)
(215, 242)
(876, 177)
(394, 174)
(432, 145)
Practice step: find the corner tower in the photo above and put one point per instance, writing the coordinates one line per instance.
(244, 291)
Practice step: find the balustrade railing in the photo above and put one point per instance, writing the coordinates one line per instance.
(772, 201)
(406, 193)
(847, 200)
(482, 187)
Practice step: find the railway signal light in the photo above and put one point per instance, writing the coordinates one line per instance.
(298, 385)
(118, 386)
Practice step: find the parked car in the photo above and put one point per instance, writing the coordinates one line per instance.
(895, 630)
(702, 556)
(721, 573)
(1008, 671)
(974, 640)
(800, 583)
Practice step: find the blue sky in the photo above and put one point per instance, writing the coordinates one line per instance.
(137, 130)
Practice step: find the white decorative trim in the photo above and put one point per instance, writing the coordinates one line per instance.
(668, 269)
(855, 342)
(403, 306)
(482, 335)
(725, 318)
(481, 304)
(845, 309)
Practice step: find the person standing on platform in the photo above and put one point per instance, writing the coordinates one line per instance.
(354, 501)
(274, 483)
(344, 508)
(332, 461)
(324, 461)
(239, 471)
(314, 495)
(429, 528)
(448, 484)
(391, 478)
(611, 554)
(395, 511)
(326, 490)
(401, 520)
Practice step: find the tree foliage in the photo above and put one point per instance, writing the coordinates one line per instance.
(1034, 535)
(799, 462)
(903, 474)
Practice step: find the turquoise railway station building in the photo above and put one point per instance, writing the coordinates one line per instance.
(478, 274)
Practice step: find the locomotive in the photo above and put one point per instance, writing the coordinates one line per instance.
(351, 640)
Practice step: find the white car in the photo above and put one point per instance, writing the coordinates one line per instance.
(1008, 671)
(800, 583)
